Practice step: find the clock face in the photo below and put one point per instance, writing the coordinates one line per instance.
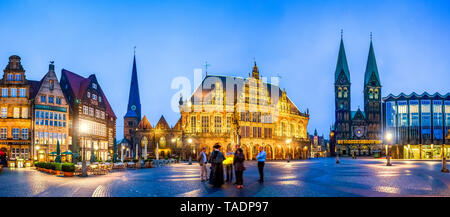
(359, 131)
(133, 107)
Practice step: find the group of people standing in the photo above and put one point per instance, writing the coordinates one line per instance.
(232, 160)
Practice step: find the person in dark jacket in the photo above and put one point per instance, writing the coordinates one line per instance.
(238, 161)
(216, 160)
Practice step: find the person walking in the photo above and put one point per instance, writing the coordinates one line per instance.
(202, 160)
(235, 153)
(216, 160)
(239, 159)
(261, 157)
(229, 166)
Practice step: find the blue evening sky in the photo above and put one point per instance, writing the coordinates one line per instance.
(297, 40)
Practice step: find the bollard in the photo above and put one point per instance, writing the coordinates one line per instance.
(388, 160)
(444, 165)
(337, 159)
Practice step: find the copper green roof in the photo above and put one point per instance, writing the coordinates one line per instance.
(134, 101)
(371, 76)
(342, 65)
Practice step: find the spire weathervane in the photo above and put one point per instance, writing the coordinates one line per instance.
(370, 36)
(342, 33)
(134, 50)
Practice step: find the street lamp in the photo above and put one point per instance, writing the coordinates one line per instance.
(388, 138)
(83, 129)
(190, 154)
(121, 154)
(444, 160)
(96, 151)
(288, 141)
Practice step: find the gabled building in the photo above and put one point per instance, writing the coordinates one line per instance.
(92, 125)
(358, 131)
(50, 117)
(246, 111)
(15, 120)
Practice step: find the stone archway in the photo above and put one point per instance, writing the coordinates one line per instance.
(246, 150)
(278, 152)
(269, 152)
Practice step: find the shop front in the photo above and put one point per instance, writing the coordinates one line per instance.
(426, 152)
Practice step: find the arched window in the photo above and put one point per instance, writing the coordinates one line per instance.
(144, 142)
(162, 142)
(345, 92)
(339, 92)
(376, 94)
(370, 93)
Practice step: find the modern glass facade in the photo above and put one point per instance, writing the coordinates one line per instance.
(420, 125)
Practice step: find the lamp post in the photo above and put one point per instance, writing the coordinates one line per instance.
(444, 160)
(190, 154)
(288, 141)
(83, 129)
(121, 154)
(388, 138)
(96, 155)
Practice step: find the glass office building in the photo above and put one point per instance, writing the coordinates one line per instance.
(420, 125)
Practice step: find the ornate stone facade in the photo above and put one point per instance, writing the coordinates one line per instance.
(245, 111)
(50, 118)
(15, 119)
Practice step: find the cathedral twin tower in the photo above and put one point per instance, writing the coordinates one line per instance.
(357, 125)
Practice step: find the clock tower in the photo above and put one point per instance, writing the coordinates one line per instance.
(133, 115)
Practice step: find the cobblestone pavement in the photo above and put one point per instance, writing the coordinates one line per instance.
(315, 177)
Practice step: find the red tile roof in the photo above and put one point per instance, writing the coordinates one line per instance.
(79, 85)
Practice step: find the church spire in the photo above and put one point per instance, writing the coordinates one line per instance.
(371, 76)
(342, 65)
(134, 102)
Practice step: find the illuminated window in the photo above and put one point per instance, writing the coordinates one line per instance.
(218, 124)
(205, 124)
(4, 112)
(85, 110)
(91, 111)
(339, 92)
(193, 124)
(24, 112)
(16, 112)
(51, 85)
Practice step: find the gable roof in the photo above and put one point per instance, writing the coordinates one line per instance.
(358, 112)
(34, 87)
(79, 86)
(177, 125)
(144, 124)
(162, 123)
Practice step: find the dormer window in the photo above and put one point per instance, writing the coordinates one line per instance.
(94, 85)
(94, 96)
(10, 77)
(52, 84)
(88, 94)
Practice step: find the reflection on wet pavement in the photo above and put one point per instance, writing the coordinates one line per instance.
(315, 177)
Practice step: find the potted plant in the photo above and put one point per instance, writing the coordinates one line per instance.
(58, 168)
(45, 167)
(52, 168)
(68, 169)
